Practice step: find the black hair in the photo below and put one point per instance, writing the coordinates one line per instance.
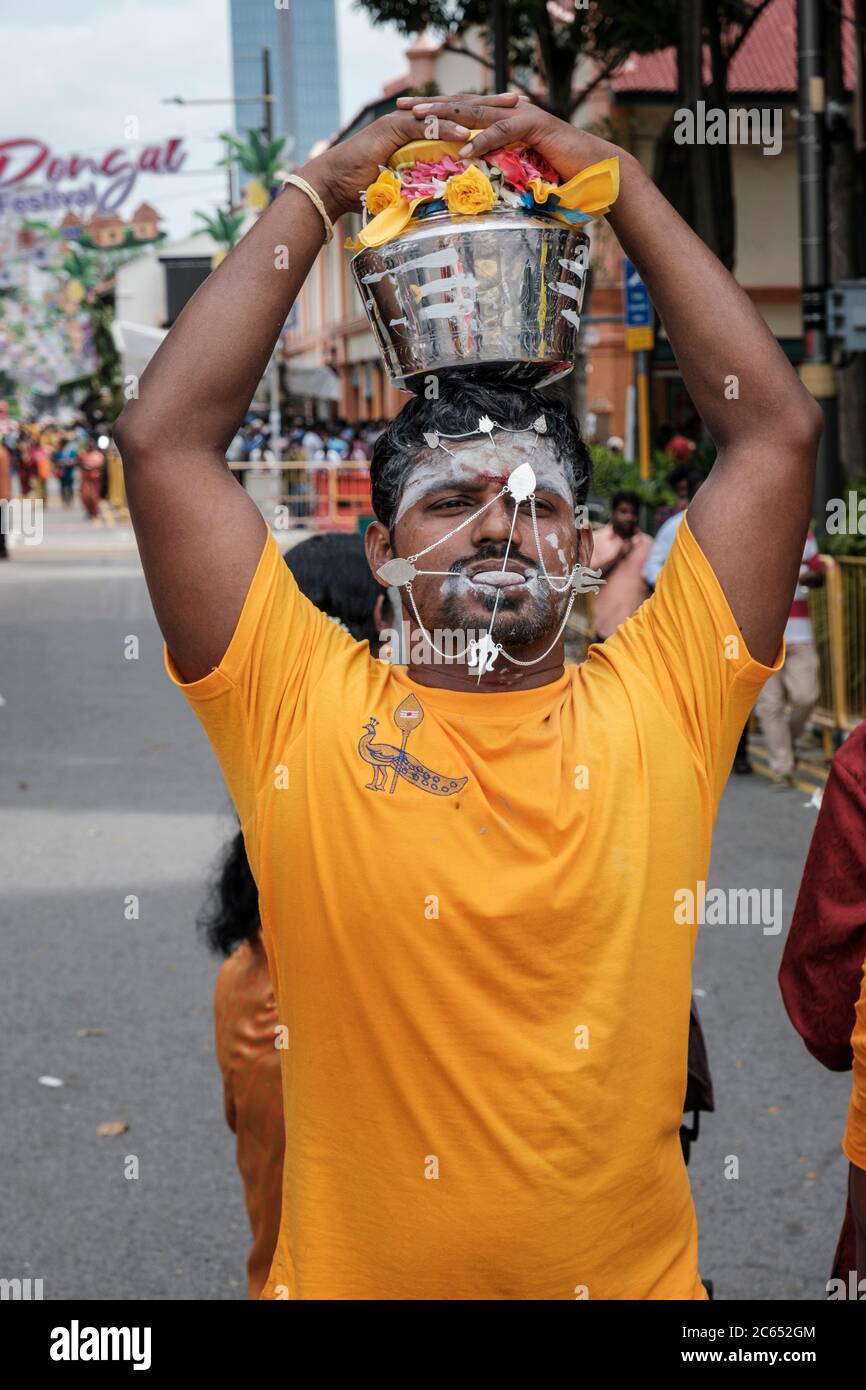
(231, 914)
(456, 409)
(625, 495)
(332, 570)
(686, 472)
(680, 474)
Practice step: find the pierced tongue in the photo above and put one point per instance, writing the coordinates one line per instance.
(499, 579)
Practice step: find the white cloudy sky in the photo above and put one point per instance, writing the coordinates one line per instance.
(73, 71)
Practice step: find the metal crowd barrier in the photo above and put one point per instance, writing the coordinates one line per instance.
(838, 612)
(327, 497)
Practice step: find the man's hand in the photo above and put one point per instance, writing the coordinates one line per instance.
(509, 118)
(342, 173)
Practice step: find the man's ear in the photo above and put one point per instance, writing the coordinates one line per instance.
(377, 547)
(584, 545)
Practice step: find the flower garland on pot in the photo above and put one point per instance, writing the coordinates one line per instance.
(428, 177)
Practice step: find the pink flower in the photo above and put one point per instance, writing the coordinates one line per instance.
(440, 168)
(413, 187)
(418, 180)
(543, 169)
(520, 166)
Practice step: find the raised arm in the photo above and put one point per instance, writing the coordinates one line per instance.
(751, 516)
(199, 533)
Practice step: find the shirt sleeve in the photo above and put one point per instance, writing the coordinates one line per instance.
(684, 640)
(256, 699)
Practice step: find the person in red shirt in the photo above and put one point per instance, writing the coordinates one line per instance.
(822, 971)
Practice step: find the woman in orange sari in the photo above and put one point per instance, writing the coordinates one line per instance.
(91, 465)
(42, 460)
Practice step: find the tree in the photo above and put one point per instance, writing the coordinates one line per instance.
(546, 38)
(549, 38)
(260, 158)
(224, 227)
(698, 179)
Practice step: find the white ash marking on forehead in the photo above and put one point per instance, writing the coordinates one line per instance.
(467, 459)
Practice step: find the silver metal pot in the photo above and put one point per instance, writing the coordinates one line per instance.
(501, 289)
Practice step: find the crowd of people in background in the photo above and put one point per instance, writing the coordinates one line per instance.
(34, 452)
(304, 441)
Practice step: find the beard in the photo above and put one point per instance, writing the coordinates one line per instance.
(532, 614)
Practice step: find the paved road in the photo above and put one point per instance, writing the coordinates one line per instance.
(108, 788)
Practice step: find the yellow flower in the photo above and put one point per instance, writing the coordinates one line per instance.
(469, 192)
(384, 193)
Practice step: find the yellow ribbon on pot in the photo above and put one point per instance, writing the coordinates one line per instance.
(594, 190)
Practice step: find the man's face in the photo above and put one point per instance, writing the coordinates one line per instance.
(624, 519)
(441, 492)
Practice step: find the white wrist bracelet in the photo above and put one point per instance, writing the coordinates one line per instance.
(298, 182)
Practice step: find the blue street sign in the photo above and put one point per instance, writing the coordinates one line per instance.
(638, 308)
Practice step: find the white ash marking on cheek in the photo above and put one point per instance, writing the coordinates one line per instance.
(552, 539)
(455, 586)
(536, 586)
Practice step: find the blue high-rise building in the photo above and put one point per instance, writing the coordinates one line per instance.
(305, 72)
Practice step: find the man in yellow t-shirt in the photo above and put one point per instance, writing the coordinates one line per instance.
(471, 878)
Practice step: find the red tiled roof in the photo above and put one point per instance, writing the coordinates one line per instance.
(396, 86)
(766, 62)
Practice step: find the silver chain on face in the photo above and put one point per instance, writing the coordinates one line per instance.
(466, 522)
(445, 655)
(515, 660)
(493, 648)
(567, 584)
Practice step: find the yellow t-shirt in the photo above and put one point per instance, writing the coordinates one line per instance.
(854, 1143)
(473, 947)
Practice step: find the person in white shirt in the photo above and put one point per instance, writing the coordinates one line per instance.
(661, 548)
(313, 446)
(797, 682)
